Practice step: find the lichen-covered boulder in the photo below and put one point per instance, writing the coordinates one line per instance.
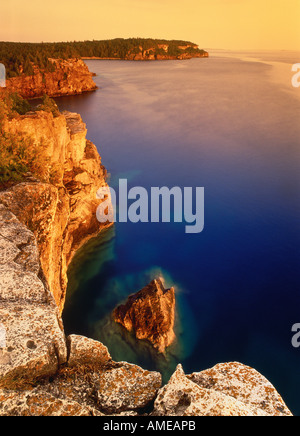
(37, 402)
(243, 383)
(230, 389)
(126, 387)
(84, 350)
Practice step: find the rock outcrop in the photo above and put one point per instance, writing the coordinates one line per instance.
(229, 389)
(43, 373)
(35, 340)
(84, 379)
(83, 389)
(41, 226)
(70, 77)
(150, 315)
(86, 351)
(161, 52)
(62, 216)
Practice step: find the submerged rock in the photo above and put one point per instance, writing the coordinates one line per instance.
(43, 373)
(150, 314)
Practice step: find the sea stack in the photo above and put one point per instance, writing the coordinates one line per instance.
(150, 314)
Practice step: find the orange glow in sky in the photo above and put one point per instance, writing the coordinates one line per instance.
(228, 24)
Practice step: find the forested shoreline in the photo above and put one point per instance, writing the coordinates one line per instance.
(20, 58)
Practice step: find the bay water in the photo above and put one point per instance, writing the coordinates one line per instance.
(230, 124)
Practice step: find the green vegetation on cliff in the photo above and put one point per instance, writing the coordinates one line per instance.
(19, 154)
(19, 58)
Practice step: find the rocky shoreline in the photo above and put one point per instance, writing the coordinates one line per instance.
(45, 373)
(61, 214)
(70, 77)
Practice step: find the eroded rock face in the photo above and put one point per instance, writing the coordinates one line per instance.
(70, 77)
(243, 383)
(42, 373)
(34, 336)
(37, 402)
(150, 314)
(126, 387)
(62, 216)
(150, 54)
(229, 389)
(86, 351)
(89, 384)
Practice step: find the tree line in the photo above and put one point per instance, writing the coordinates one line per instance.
(19, 58)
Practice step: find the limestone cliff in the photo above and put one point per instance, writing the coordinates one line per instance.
(62, 216)
(43, 373)
(150, 314)
(70, 77)
(161, 52)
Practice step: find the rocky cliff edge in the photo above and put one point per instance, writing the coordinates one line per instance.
(61, 215)
(43, 372)
(70, 77)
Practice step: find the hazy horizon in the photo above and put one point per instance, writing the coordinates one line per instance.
(213, 24)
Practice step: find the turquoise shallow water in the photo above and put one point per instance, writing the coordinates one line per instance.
(224, 124)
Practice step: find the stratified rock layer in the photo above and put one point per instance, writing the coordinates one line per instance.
(150, 315)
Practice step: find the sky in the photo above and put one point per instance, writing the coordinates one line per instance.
(219, 24)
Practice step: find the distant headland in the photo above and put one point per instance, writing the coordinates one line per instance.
(57, 69)
(20, 58)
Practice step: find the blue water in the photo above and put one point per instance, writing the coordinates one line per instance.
(223, 124)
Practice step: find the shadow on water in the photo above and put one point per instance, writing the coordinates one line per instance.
(123, 345)
(224, 125)
(95, 256)
(96, 287)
